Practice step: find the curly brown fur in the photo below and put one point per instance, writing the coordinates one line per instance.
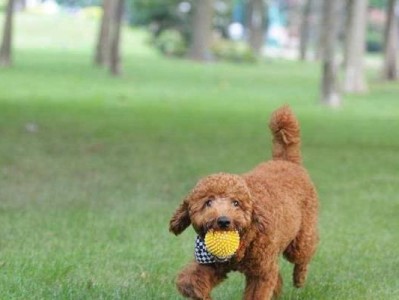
(274, 207)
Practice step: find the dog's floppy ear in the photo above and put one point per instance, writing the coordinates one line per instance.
(180, 220)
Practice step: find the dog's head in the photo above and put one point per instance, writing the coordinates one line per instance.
(220, 202)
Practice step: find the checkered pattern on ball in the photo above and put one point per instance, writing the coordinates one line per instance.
(202, 255)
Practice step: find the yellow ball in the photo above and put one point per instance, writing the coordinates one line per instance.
(222, 244)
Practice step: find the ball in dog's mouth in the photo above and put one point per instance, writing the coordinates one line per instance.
(222, 244)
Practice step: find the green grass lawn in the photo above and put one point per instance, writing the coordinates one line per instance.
(93, 167)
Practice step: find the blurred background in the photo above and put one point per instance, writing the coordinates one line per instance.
(110, 111)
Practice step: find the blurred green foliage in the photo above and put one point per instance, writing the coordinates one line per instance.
(144, 12)
(378, 3)
(374, 39)
(233, 51)
(170, 23)
(171, 43)
(170, 28)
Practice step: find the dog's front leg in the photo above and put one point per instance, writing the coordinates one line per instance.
(263, 285)
(196, 281)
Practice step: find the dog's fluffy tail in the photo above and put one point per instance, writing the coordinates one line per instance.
(286, 135)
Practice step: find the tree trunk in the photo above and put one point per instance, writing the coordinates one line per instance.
(6, 44)
(317, 29)
(20, 5)
(348, 6)
(202, 30)
(355, 47)
(115, 33)
(305, 30)
(390, 69)
(329, 83)
(256, 25)
(102, 48)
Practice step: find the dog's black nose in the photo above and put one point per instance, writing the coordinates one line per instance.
(223, 222)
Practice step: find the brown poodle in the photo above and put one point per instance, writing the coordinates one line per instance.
(274, 208)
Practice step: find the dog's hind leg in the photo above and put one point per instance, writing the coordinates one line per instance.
(196, 281)
(301, 250)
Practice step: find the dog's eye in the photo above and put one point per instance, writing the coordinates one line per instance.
(208, 203)
(236, 203)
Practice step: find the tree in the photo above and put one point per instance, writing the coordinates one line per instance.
(305, 30)
(390, 68)
(202, 30)
(329, 83)
(355, 47)
(20, 5)
(256, 24)
(102, 48)
(348, 13)
(317, 29)
(6, 44)
(115, 32)
(108, 44)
